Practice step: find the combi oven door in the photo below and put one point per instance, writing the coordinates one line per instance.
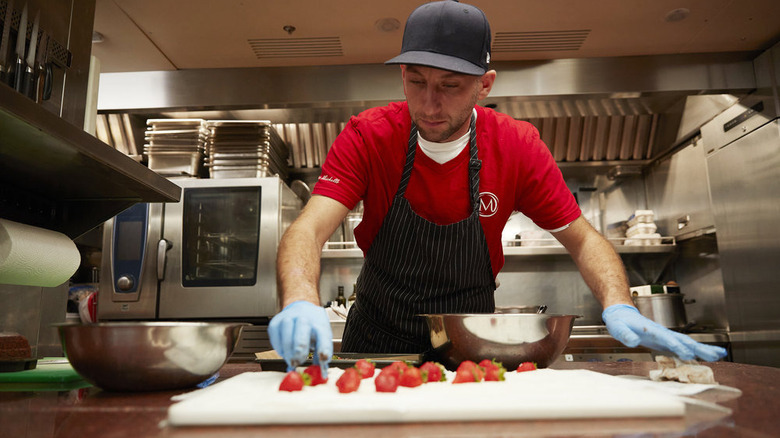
(222, 239)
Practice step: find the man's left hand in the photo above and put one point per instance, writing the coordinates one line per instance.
(628, 326)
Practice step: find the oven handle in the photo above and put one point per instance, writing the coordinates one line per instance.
(162, 247)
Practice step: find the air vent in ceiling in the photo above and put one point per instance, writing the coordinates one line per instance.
(555, 40)
(296, 47)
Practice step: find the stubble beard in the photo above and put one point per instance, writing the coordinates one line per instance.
(452, 128)
(449, 131)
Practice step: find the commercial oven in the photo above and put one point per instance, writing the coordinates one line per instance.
(210, 256)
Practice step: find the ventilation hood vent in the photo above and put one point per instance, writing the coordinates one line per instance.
(597, 112)
(579, 129)
(557, 40)
(295, 47)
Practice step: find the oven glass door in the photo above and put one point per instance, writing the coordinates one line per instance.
(220, 233)
(221, 238)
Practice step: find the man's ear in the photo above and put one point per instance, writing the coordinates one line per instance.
(486, 82)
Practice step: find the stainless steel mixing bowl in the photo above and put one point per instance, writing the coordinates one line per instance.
(509, 338)
(148, 356)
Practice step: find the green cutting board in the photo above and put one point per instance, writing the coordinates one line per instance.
(51, 374)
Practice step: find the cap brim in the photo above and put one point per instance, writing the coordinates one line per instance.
(436, 60)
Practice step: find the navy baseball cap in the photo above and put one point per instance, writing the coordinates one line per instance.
(448, 35)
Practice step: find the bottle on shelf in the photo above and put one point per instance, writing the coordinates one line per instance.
(340, 299)
(351, 299)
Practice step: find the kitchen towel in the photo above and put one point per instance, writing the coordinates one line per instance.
(32, 256)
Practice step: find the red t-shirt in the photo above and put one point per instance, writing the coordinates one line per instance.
(518, 174)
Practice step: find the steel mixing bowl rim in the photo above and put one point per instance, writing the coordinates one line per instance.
(151, 324)
(502, 315)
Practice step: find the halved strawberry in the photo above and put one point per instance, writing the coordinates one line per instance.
(526, 366)
(468, 371)
(433, 372)
(365, 368)
(315, 373)
(387, 380)
(293, 381)
(349, 381)
(411, 377)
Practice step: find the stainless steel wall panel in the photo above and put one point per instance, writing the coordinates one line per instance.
(697, 270)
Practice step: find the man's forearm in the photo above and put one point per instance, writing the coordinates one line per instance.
(604, 273)
(298, 267)
(598, 263)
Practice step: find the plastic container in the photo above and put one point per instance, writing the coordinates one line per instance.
(641, 228)
(641, 217)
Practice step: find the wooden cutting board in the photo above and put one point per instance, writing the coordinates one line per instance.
(254, 398)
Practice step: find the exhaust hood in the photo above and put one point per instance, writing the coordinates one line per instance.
(595, 111)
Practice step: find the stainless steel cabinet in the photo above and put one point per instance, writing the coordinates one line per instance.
(745, 177)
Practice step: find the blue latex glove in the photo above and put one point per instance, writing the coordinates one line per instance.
(299, 328)
(628, 326)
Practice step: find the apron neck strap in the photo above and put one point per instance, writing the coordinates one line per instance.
(475, 164)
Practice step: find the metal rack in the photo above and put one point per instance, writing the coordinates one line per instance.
(56, 176)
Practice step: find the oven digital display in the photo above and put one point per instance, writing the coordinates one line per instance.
(130, 243)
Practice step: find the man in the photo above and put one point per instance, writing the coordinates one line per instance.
(422, 168)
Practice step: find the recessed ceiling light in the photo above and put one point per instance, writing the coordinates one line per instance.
(387, 24)
(676, 15)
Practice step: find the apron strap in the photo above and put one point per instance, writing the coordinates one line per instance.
(409, 164)
(475, 164)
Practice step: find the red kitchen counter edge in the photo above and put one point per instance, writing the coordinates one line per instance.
(92, 412)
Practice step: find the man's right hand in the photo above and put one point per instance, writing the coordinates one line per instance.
(299, 328)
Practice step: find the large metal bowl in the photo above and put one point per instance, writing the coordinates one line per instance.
(148, 356)
(509, 338)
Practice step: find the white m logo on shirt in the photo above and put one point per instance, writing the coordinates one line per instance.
(488, 204)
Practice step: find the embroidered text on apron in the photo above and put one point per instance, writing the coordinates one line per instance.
(415, 266)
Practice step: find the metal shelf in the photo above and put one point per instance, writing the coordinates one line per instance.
(56, 176)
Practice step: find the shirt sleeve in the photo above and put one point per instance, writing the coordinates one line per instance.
(543, 194)
(343, 175)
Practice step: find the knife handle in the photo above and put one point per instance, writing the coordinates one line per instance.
(28, 87)
(48, 79)
(9, 75)
(37, 83)
(18, 75)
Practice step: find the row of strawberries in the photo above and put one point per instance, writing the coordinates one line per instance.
(399, 374)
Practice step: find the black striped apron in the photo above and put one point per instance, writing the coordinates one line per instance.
(415, 266)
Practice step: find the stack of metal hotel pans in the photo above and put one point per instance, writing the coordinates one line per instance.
(175, 147)
(245, 149)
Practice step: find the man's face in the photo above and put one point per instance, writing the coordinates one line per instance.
(440, 101)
